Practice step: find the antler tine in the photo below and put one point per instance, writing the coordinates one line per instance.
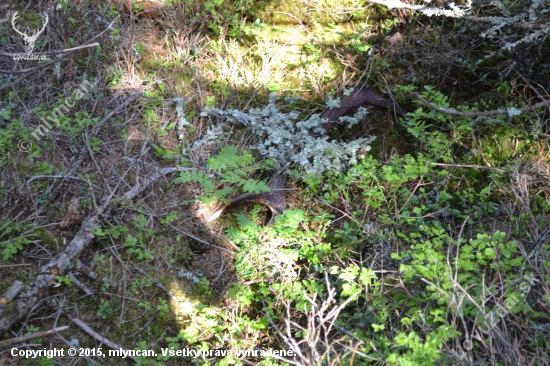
(14, 17)
(45, 18)
(38, 32)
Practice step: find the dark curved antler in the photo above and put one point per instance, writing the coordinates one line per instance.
(360, 96)
(274, 200)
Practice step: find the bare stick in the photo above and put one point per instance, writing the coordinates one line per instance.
(80, 285)
(25, 71)
(12, 341)
(200, 240)
(10, 294)
(473, 166)
(454, 112)
(98, 337)
(54, 52)
(15, 265)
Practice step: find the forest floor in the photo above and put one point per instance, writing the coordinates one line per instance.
(413, 240)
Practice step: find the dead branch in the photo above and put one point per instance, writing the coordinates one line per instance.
(454, 112)
(12, 341)
(86, 328)
(80, 285)
(456, 13)
(529, 178)
(67, 259)
(54, 52)
(31, 69)
(10, 294)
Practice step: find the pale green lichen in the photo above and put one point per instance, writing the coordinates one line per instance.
(529, 19)
(293, 142)
(513, 112)
(182, 121)
(212, 134)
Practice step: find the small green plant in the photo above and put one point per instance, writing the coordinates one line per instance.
(231, 167)
(136, 247)
(105, 310)
(147, 306)
(65, 280)
(163, 307)
(13, 238)
(357, 42)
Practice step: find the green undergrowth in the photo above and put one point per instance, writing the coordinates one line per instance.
(432, 239)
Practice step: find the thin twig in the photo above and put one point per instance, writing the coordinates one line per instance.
(200, 240)
(31, 69)
(54, 52)
(15, 265)
(454, 112)
(98, 337)
(474, 167)
(12, 341)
